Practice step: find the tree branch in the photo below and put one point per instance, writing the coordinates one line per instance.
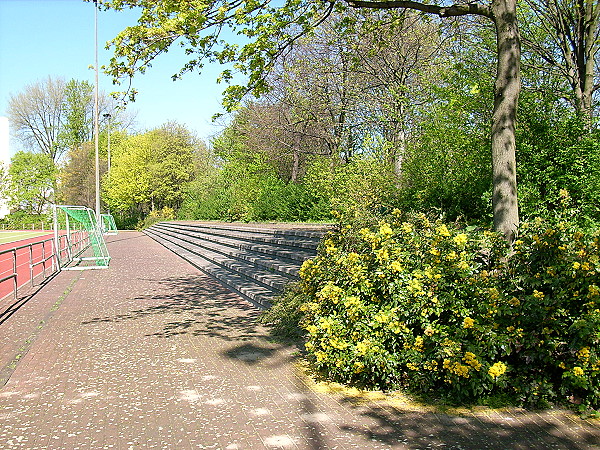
(442, 11)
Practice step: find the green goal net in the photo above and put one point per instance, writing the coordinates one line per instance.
(108, 224)
(86, 251)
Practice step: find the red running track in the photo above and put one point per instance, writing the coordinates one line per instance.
(22, 258)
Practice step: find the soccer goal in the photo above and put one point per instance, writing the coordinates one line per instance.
(78, 239)
(109, 226)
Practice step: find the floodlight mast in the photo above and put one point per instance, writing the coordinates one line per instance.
(107, 116)
(96, 113)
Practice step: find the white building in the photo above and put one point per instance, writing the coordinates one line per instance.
(4, 157)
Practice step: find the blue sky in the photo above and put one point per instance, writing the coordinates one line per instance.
(41, 38)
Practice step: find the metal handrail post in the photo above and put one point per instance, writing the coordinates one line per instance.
(44, 259)
(15, 284)
(31, 264)
(56, 238)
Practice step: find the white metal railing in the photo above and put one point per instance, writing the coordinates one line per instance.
(69, 246)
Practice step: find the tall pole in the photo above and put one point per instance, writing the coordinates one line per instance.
(108, 117)
(96, 113)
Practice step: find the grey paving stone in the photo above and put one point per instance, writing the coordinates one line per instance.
(151, 353)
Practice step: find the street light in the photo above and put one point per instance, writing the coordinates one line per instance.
(96, 115)
(107, 116)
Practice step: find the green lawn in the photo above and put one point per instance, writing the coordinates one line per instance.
(12, 236)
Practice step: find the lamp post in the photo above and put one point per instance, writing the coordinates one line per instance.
(108, 117)
(97, 157)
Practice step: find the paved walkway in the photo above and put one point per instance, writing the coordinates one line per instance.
(152, 354)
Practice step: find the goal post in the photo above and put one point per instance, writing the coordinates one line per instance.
(81, 233)
(109, 226)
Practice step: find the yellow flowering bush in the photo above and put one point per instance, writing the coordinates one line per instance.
(400, 304)
(415, 303)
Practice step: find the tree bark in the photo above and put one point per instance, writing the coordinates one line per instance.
(506, 96)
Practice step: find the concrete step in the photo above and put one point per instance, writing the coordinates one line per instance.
(244, 241)
(268, 261)
(254, 261)
(291, 239)
(260, 296)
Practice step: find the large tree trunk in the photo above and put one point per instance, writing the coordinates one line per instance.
(506, 95)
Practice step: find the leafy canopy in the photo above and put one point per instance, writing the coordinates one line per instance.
(246, 35)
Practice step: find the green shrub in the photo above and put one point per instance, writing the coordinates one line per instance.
(439, 310)
(158, 215)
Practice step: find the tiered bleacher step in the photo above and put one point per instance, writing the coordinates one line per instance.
(256, 261)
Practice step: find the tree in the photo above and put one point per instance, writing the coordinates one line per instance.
(271, 30)
(564, 35)
(37, 115)
(149, 171)
(52, 116)
(29, 183)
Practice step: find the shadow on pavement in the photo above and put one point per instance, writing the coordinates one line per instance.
(492, 430)
(200, 305)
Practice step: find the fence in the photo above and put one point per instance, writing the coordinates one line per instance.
(27, 262)
(41, 226)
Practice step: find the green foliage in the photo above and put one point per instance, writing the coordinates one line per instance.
(447, 166)
(364, 186)
(29, 182)
(151, 170)
(158, 215)
(446, 311)
(19, 219)
(557, 158)
(78, 110)
(247, 188)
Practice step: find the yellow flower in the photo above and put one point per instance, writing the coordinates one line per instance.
(363, 347)
(576, 265)
(353, 257)
(468, 322)
(494, 293)
(419, 343)
(578, 371)
(414, 285)
(398, 327)
(411, 366)
(442, 230)
(407, 227)
(497, 369)
(593, 291)
(312, 329)
(463, 265)
(538, 294)
(584, 353)
(385, 230)
(451, 256)
(429, 331)
(434, 251)
(382, 317)
(305, 268)
(336, 343)
(471, 360)
(514, 301)
(460, 239)
(382, 255)
(331, 292)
